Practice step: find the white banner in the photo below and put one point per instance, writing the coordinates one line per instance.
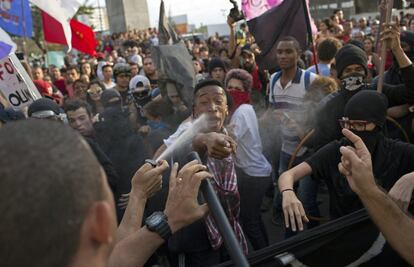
(15, 84)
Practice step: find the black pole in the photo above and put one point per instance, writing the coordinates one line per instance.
(309, 39)
(230, 240)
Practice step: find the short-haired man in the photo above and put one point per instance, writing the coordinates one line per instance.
(59, 202)
(151, 71)
(80, 117)
(122, 75)
(72, 74)
(287, 90)
(327, 50)
(201, 243)
(134, 69)
(37, 73)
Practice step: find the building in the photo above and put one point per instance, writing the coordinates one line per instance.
(99, 20)
(321, 9)
(126, 15)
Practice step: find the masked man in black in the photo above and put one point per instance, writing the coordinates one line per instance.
(351, 68)
(364, 114)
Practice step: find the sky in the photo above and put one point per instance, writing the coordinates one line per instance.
(198, 11)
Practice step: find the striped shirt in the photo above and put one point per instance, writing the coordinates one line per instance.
(289, 101)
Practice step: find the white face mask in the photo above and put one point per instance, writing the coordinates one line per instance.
(353, 82)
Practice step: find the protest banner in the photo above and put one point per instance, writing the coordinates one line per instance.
(15, 84)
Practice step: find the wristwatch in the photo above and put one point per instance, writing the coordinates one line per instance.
(158, 223)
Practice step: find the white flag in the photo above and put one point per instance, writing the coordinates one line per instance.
(7, 45)
(62, 11)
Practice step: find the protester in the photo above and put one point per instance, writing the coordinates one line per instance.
(150, 72)
(93, 96)
(252, 168)
(107, 72)
(352, 70)
(79, 89)
(86, 69)
(397, 226)
(327, 50)
(74, 188)
(122, 75)
(364, 115)
(217, 70)
(287, 89)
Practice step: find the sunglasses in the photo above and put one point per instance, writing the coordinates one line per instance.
(358, 125)
(90, 91)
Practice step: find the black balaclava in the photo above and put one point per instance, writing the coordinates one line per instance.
(349, 55)
(108, 97)
(369, 106)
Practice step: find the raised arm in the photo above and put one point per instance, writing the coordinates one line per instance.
(397, 227)
(181, 210)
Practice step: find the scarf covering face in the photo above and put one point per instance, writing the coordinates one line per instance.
(239, 98)
(353, 82)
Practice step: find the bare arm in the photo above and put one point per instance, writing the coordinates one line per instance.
(292, 207)
(146, 181)
(181, 209)
(232, 38)
(397, 227)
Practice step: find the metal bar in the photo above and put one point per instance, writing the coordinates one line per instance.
(230, 240)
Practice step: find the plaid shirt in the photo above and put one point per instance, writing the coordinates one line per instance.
(225, 184)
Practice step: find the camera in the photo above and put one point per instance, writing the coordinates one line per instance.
(235, 13)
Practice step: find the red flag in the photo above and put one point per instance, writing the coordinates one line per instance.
(83, 37)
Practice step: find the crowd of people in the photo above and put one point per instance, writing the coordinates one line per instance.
(86, 194)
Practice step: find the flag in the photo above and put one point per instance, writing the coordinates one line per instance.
(83, 37)
(62, 11)
(167, 34)
(16, 17)
(286, 19)
(252, 8)
(7, 45)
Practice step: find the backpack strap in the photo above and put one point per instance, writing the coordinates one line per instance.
(276, 77)
(307, 79)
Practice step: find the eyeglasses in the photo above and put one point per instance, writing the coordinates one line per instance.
(358, 125)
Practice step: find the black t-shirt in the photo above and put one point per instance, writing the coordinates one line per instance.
(391, 160)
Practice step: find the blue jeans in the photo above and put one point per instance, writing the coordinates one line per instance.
(307, 191)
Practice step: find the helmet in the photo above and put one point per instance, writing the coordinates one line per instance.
(120, 68)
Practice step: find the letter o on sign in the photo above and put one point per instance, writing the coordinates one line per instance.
(14, 100)
(9, 67)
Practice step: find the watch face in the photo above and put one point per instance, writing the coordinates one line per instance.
(156, 220)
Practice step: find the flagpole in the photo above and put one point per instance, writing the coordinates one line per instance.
(383, 55)
(309, 36)
(24, 29)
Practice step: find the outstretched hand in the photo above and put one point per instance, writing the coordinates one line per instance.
(182, 207)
